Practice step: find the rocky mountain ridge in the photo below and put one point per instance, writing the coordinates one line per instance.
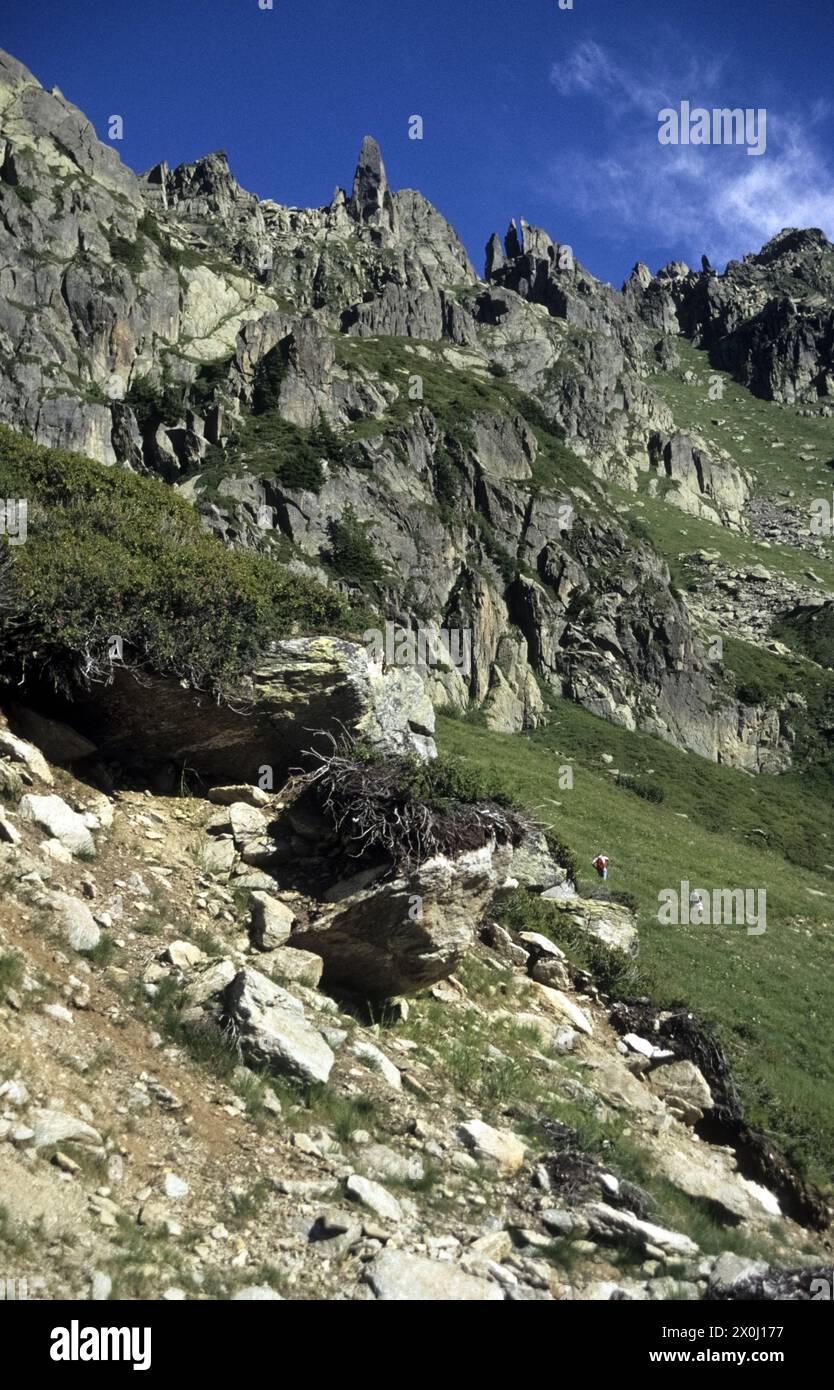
(153, 321)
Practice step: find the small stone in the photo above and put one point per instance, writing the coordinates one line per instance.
(174, 1186)
(498, 1147)
(377, 1061)
(375, 1197)
(183, 954)
(270, 923)
(101, 1286)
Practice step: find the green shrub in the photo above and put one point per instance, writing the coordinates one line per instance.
(352, 554)
(342, 453)
(647, 790)
(751, 692)
(128, 253)
(301, 469)
(25, 194)
(638, 529)
(210, 376)
(153, 403)
(446, 781)
(109, 552)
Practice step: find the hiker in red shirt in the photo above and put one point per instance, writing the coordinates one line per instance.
(601, 865)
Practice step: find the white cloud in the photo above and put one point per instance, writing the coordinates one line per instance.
(696, 199)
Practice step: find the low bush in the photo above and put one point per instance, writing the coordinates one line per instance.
(647, 790)
(111, 553)
(352, 553)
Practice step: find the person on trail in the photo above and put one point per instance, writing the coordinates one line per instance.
(601, 865)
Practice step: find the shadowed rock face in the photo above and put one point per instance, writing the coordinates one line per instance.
(407, 934)
(767, 319)
(305, 685)
(370, 200)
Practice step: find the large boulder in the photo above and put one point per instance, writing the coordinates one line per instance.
(403, 935)
(268, 1024)
(396, 1276)
(53, 814)
(301, 686)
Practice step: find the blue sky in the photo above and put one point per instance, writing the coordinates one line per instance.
(528, 110)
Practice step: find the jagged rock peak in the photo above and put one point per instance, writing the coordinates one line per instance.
(790, 242)
(494, 256)
(207, 174)
(204, 187)
(371, 198)
(513, 242)
(673, 270)
(536, 241)
(640, 277)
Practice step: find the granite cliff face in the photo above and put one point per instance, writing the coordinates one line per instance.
(172, 323)
(767, 319)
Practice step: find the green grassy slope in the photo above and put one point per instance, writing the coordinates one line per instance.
(762, 424)
(770, 997)
(746, 428)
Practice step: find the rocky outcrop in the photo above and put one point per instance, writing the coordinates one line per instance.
(766, 319)
(700, 485)
(406, 934)
(302, 687)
